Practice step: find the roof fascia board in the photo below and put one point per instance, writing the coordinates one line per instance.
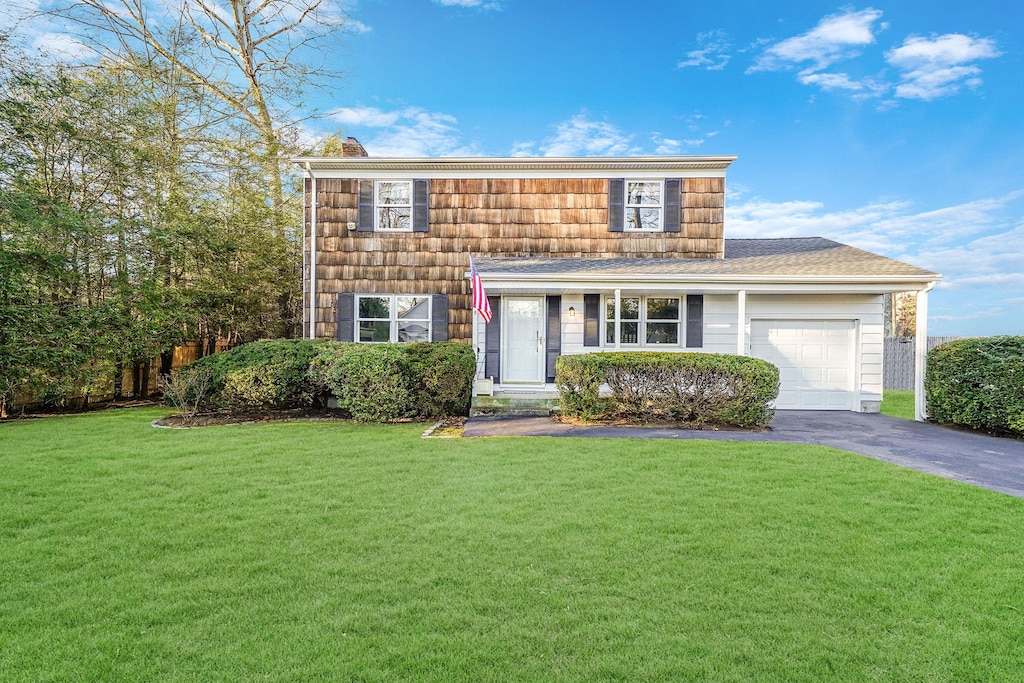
(697, 278)
(597, 167)
(555, 287)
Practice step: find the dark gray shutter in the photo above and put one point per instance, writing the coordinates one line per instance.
(554, 340)
(591, 319)
(420, 205)
(492, 341)
(439, 318)
(346, 317)
(673, 187)
(365, 218)
(616, 203)
(694, 321)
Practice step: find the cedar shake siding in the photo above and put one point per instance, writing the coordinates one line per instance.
(564, 217)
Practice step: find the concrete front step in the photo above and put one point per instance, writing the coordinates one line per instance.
(514, 404)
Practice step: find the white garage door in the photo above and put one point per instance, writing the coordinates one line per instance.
(815, 360)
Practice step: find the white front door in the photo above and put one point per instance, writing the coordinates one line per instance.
(522, 323)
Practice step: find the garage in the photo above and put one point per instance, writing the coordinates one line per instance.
(816, 361)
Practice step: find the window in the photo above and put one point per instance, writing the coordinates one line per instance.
(393, 318)
(643, 206)
(393, 205)
(643, 321)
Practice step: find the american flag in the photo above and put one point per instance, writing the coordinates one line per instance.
(480, 302)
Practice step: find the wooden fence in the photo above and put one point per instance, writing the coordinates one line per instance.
(898, 360)
(140, 382)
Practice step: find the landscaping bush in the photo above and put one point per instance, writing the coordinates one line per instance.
(264, 375)
(578, 380)
(978, 383)
(371, 382)
(691, 389)
(441, 374)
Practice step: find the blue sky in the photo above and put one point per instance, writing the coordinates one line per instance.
(892, 126)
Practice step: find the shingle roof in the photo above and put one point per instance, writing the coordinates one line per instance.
(788, 257)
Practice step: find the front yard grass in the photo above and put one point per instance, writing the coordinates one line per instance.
(335, 551)
(898, 403)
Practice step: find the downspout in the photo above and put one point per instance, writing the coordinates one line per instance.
(921, 352)
(312, 251)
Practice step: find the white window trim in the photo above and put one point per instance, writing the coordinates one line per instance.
(377, 207)
(627, 206)
(393, 319)
(642, 320)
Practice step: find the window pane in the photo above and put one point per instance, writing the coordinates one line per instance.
(375, 307)
(662, 333)
(394, 193)
(609, 309)
(662, 309)
(410, 331)
(374, 331)
(413, 308)
(394, 219)
(643, 193)
(629, 333)
(643, 219)
(630, 309)
(609, 333)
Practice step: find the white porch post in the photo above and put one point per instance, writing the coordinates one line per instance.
(618, 318)
(741, 323)
(312, 251)
(921, 352)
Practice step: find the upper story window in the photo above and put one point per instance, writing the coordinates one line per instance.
(644, 205)
(393, 205)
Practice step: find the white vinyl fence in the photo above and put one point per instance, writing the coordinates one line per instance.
(898, 360)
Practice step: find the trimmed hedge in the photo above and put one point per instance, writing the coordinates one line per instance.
(692, 389)
(372, 382)
(977, 383)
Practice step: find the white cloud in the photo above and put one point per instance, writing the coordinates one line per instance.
(357, 27)
(526, 148)
(404, 132)
(63, 47)
(712, 53)
(827, 81)
(579, 136)
(936, 67)
(836, 37)
(480, 4)
(371, 117)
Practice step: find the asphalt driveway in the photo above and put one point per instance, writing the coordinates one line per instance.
(986, 461)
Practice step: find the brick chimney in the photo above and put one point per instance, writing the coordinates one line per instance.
(352, 148)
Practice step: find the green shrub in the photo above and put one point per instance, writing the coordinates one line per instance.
(263, 375)
(441, 374)
(578, 380)
(692, 389)
(371, 382)
(977, 383)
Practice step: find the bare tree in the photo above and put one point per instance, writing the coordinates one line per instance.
(255, 56)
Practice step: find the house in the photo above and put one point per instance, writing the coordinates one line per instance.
(589, 254)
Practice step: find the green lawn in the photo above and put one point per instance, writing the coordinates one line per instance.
(898, 403)
(332, 551)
